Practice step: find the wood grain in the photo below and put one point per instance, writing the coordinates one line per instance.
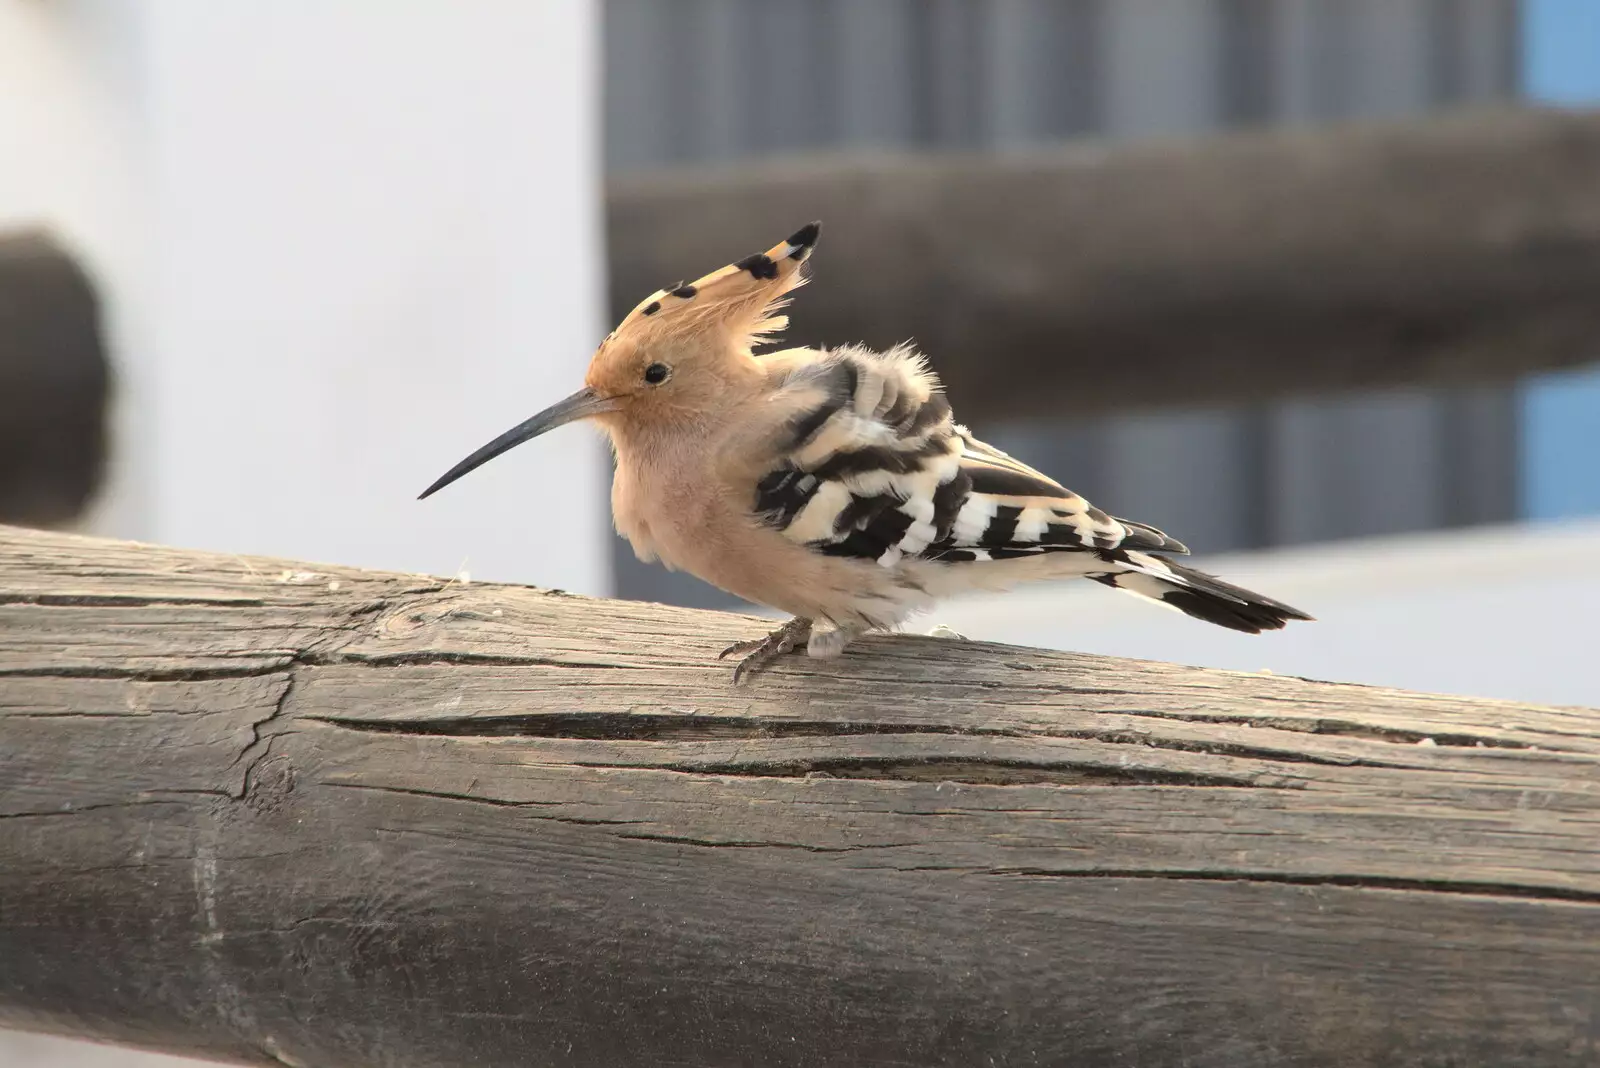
(286, 813)
(1222, 270)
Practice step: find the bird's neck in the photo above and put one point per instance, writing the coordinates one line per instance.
(659, 442)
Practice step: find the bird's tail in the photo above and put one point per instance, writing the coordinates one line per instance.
(1195, 593)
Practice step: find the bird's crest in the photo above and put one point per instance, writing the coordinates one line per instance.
(740, 301)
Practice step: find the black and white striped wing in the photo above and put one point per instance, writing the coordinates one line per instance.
(874, 469)
(1012, 511)
(871, 468)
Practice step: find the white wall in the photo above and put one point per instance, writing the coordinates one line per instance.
(343, 244)
(71, 158)
(1504, 612)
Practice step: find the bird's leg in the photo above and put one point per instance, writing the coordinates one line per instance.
(763, 651)
(827, 644)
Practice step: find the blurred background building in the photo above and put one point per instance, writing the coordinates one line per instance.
(723, 80)
(330, 247)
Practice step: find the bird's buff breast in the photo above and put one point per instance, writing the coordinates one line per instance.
(710, 531)
(689, 525)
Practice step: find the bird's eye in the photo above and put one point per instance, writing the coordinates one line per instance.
(657, 373)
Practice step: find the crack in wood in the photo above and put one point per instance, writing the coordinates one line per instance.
(266, 664)
(1353, 882)
(964, 770)
(127, 600)
(657, 727)
(77, 810)
(260, 744)
(433, 657)
(639, 727)
(719, 843)
(1340, 729)
(479, 799)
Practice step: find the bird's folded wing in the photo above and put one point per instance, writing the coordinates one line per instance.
(1012, 510)
(871, 467)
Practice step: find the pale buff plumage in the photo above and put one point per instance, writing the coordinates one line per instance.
(833, 484)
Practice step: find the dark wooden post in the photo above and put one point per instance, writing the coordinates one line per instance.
(284, 813)
(54, 383)
(1217, 270)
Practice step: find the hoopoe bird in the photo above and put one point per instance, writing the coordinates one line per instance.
(833, 484)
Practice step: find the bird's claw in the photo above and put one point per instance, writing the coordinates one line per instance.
(742, 647)
(762, 651)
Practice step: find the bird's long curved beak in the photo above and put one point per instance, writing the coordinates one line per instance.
(581, 405)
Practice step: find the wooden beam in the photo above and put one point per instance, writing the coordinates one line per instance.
(1223, 270)
(54, 383)
(286, 813)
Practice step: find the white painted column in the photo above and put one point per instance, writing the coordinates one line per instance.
(71, 161)
(353, 241)
(380, 247)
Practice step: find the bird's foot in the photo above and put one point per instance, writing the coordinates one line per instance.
(760, 652)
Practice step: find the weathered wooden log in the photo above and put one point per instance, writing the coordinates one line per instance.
(1227, 269)
(307, 815)
(54, 383)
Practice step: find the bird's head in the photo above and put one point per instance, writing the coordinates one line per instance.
(676, 352)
